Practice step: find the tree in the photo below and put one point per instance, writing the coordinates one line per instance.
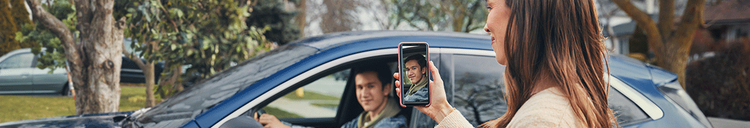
(336, 15)
(670, 46)
(93, 56)
(13, 15)
(273, 13)
(7, 29)
(209, 36)
(301, 16)
(458, 15)
(38, 36)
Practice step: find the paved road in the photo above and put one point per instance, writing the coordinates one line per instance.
(728, 123)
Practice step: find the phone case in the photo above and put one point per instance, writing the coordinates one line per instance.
(428, 74)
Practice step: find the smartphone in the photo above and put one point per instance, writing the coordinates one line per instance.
(413, 58)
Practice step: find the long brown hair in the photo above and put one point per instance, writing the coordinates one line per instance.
(561, 38)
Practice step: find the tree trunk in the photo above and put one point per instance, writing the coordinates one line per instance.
(673, 57)
(101, 47)
(148, 72)
(94, 60)
(670, 46)
(149, 76)
(301, 17)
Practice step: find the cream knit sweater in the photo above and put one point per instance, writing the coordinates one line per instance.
(547, 109)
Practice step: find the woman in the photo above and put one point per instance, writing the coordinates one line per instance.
(554, 59)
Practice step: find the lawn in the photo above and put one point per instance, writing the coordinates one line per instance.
(14, 108)
(309, 95)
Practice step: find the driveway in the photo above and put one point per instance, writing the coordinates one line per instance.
(728, 123)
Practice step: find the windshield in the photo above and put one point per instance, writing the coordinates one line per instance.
(181, 108)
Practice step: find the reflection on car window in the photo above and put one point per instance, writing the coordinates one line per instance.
(625, 110)
(186, 105)
(314, 100)
(478, 89)
(23, 60)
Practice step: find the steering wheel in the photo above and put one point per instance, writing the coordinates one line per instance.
(257, 113)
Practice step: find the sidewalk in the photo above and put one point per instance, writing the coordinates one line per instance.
(728, 123)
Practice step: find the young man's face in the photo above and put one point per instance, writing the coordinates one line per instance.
(370, 92)
(414, 71)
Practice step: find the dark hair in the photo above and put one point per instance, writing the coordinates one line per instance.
(419, 58)
(561, 38)
(381, 69)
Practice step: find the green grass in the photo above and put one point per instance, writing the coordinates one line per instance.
(14, 108)
(33, 107)
(133, 98)
(325, 104)
(280, 114)
(309, 95)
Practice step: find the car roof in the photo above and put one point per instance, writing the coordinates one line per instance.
(639, 75)
(333, 40)
(17, 51)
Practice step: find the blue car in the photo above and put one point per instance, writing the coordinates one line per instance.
(307, 82)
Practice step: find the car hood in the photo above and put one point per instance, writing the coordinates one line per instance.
(101, 120)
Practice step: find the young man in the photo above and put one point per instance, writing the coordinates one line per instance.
(373, 85)
(416, 67)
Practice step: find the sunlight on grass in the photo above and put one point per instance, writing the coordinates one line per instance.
(280, 114)
(14, 108)
(309, 95)
(325, 104)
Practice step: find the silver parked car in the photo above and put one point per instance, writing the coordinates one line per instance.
(19, 75)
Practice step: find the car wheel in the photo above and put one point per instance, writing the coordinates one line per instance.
(66, 90)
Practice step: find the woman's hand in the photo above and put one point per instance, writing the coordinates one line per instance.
(438, 107)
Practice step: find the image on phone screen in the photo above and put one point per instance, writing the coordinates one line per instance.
(415, 74)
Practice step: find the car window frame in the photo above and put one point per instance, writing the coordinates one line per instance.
(298, 80)
(295, 82)
(304, 83)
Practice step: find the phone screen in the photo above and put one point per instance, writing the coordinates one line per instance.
(415, 74)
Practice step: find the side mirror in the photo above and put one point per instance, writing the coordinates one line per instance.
(242, 122)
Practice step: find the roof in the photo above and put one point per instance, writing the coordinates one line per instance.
(621, 29)
(728, 12)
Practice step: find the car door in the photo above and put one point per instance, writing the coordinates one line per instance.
(45, 81)
(15, 74)
(478, 89)
(477, 85)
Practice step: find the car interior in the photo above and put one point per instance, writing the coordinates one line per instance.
(348, 107)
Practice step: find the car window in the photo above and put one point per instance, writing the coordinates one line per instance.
(478, 88)
(196, 99)
(23, 60)
(625, 110)
(319, 99)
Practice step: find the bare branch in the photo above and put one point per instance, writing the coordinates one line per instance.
(58, 28)
(666, 14)
(644, 22)
(692, 18)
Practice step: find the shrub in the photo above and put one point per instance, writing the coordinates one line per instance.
(720, 85)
